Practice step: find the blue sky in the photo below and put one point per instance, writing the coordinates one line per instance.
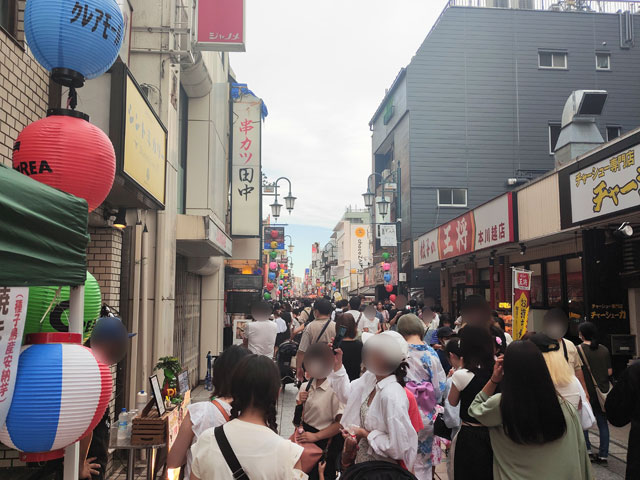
(322, 68)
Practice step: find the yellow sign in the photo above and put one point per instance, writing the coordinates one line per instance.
(520, 316)
(504, 305)
(360, 232)
(145, 144)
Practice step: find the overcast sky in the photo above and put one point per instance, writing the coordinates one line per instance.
(322, 67)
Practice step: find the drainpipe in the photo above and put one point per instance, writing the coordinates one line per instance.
(135, 316)
(161, 255)
(144, 336)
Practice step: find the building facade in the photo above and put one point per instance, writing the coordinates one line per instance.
(478, 109)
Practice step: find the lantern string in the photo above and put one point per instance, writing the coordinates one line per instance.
(54, 301)
(72, 100)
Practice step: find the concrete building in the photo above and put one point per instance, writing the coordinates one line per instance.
(347, 271)
(477, 111)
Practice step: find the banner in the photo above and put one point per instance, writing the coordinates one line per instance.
(360, 246)
(13, 312)
(387, 234)
(521, 301)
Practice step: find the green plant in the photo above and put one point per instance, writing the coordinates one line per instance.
(171, 368)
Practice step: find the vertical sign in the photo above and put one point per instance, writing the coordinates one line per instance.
(221, 25)
(246, 172)
(388, 237)
(521, 301)
(360, 246)
(13, 312)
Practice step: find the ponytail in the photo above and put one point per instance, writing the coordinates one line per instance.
(401, 373)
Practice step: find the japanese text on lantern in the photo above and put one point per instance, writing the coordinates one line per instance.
(13, 308)
(97, 20)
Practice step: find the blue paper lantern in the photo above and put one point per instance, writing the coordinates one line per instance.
(60, 395)
(387, 277)
(272, 276)
(74, 40)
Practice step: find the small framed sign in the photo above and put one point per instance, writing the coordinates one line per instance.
(156, 391)
(183, 382)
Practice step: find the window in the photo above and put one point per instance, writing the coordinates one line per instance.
(613, 131)
(452, 197)
(8, 16)
(603, 61)
(552, 60)
(554, 284)
(537, 291)
(554, 133)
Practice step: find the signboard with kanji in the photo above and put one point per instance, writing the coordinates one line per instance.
(221, 25)
(246, 172)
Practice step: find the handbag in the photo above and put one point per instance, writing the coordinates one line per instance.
(224, 413)
(602, 396)
(311, 454)
(440, 428)
(229, 457)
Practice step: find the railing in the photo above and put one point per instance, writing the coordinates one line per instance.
(589, 6)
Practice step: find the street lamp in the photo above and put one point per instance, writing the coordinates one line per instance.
(383, 207)
(369, 198)
(289, 200)
(291, 246)
(275, 209)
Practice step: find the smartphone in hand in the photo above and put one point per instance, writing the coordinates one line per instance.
(342, 330)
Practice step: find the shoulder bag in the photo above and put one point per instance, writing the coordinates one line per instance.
(602, 396)
(222, 410)
(229, 457)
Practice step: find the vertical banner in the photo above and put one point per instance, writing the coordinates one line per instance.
(246, 173)
(221, 25)
(521, 301)
(388, 237)
(360, 246)
(13, 312)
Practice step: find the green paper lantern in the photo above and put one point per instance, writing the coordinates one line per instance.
(57, 319)
(267, 296)
(273, 254)
(385, 256)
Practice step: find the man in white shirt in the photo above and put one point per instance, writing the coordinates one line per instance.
(354, 310)
(260, 335)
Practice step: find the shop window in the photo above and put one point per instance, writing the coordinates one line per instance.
(452, 197)
(537, 291)
(554, 284)
(553, 60)
(554, 133)
(613, 131)
(8, 16)
(575, 293)
(603, 61)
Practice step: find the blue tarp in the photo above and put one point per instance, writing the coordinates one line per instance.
(240, 89)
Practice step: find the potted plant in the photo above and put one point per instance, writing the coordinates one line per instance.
(171, 367)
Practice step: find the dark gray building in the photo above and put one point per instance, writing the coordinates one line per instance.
(481, 101)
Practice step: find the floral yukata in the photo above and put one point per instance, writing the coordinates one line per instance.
(425, 366)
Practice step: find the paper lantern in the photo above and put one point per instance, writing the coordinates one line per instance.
(273, 265)
(392, 297)
(272, 276)
(61, 393)
(258, 271)
(74, 40)
(387, 277)
(274, 234)
(385, 255)
(270, 286)
(67, 152)
(281, 282)
(267, 296)
(273, 254)
(274, 245)
(386, 267)
(57, 319)
(388, 288)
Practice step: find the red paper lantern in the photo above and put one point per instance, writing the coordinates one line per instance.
(388, 288)
(274, 234)
(269, 286)
(67, 152)
(392, 298)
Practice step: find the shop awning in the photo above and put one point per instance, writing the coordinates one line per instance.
(43, 233)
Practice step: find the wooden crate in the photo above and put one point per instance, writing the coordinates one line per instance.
(148, 427)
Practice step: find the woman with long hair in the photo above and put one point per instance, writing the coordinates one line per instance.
(472, 450)
(596, 365)
(351, 346)
(425, 372)
(252, 432)
(376, 408)
(204, 415)
(534, 432)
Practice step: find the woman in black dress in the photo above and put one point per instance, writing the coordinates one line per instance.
(351, 347)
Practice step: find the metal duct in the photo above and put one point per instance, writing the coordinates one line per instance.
(195, 78)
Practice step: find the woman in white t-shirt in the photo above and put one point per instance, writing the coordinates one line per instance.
(203, 415)
(252, 432)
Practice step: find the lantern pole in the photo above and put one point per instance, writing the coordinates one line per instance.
(76, 325)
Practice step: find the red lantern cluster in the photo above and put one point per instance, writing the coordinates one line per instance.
(67, 152)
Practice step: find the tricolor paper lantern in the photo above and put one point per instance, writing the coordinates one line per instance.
(61, 393)
(388, 288)
(392, 297)
(57, 317)
(67, 152)
(74, 40)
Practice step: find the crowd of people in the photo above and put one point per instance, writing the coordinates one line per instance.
(387, 392)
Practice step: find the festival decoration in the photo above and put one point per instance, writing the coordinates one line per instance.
(281, 282)
(388, 288)
(274, 234)
(61, 393)
(387, 277)
(273, 254)
(67, 152)
(267, 296)
(272, 276)
(385, 256)
(386, 267)
(392, 297)
(74, 40)
(110, 340)
(270, 286)
(47, 312)
(273, 266)
(274, 245)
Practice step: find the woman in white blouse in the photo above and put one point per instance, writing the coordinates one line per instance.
(252, 432)
(204, 415)
(376, 410)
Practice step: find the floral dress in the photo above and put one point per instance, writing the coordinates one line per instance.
(425, 366)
